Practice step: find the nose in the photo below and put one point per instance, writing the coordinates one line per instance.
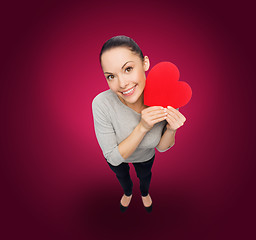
(123, 82)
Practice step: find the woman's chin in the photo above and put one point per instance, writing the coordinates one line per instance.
(131, 99)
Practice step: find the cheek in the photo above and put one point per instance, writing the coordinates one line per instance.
(112, 86)
(142, 79)
(142, 75)
(139, 77)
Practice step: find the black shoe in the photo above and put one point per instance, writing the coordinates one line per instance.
(123, 208)
(149, 209)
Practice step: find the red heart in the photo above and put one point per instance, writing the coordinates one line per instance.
(163, 87)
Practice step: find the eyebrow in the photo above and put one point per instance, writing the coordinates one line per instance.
(121, 68)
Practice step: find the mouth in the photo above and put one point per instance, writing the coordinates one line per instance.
(129, 91)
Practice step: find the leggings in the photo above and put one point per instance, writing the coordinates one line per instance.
(143, 171)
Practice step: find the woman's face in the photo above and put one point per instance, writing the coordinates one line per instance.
(125, 73)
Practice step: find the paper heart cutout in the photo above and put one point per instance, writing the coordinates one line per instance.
(163, 87)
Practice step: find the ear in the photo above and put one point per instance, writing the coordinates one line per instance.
(146, 63)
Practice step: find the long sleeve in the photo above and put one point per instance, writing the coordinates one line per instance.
(106, 135)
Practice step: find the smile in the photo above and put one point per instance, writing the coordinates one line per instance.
(129, 92)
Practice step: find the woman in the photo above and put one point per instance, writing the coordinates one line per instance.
(127, 130)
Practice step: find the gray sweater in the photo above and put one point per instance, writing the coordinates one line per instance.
(114, 122)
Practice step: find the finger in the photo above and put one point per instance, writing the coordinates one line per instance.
(170, 123)
(150, 109)
(158, 115)
(178, 122)
(173, 124)
(174, 115)
(178, 113)
(159, 120)
(157, 111)
(174, 110)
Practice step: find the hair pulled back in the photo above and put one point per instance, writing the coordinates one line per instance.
(121, 41)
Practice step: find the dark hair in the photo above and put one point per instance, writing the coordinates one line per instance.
(121, 40)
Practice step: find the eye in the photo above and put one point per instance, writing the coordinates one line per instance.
(108, 77)
(129, 68)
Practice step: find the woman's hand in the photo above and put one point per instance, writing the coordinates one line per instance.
(152, 115)
(174, 118)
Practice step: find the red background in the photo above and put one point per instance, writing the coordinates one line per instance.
(55, 181)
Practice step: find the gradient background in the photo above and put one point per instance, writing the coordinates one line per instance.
(55, 181)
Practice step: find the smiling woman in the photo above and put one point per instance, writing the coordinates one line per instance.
(127, 130)
(125, 74)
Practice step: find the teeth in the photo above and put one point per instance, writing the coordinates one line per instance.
(129, 91)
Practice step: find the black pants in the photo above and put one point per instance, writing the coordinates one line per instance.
(143, 171)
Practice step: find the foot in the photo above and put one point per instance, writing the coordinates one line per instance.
(147, 201)
(125, 200)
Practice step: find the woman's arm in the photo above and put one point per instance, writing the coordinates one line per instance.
(116, 153)
(129, 145)
(167, 140)
(174, 120)
(149, 117)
